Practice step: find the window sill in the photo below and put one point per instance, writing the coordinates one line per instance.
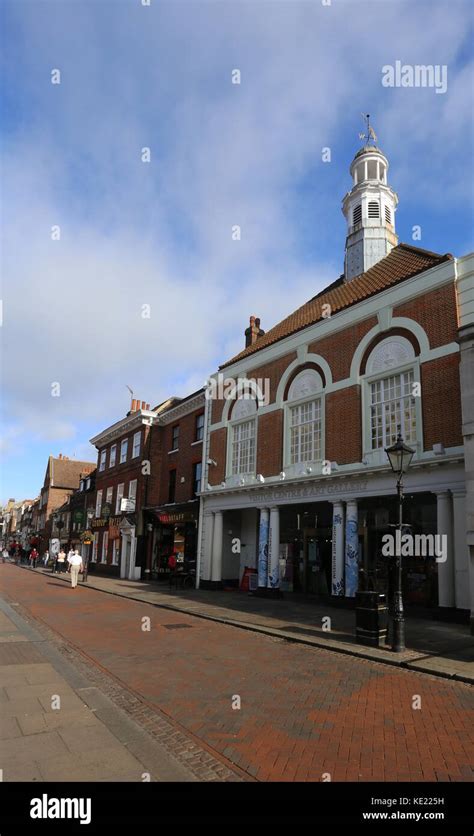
(176, 450)
(193, 443)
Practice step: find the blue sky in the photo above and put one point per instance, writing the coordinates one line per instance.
(134, 233)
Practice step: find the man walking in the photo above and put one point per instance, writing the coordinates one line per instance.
(75, 566)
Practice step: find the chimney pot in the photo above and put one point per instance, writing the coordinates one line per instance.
(143, 404)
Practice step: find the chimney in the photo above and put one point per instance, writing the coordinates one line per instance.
(253, 332)
(143, 404)
(60, 456)
(147, 407)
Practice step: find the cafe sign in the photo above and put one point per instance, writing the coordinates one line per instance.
(176, 517)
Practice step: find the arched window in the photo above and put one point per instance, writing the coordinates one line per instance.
(357, 214)
(392, 404)
(374, 211)
(304, 419)
(243, 435)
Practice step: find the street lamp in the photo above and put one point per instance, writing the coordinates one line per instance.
(399, 456)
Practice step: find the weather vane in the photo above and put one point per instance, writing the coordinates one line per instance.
(370, 133)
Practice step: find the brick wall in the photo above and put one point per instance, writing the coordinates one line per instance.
(338, 349)
(436, 312)
(270, 443)
(344, 426)
(217, 451)
(441, 402)
(182, 460)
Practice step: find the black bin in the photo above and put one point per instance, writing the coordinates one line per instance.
(371, 618)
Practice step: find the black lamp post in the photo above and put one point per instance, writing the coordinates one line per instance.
(89, 517)
(399, 456)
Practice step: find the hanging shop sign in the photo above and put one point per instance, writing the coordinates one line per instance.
(87, 537)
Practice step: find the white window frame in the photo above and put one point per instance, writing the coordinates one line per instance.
(109, 495)
(297, 405)
(98, 504)
(237, 427)
(95, 546)
(299, 468)
(113, 456)
(102, 460)
(378, 456)
(132, 492)
(105, 547)
(119, 497)
(123, 447)
(115, 552)
(136, 437)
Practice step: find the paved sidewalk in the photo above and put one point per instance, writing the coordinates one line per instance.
(436, 647)
(55, 725)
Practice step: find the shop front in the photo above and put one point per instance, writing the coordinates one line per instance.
(171, 532)
(331, 538)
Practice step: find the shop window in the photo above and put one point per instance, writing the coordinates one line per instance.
(115, 552)
(197, 476)
(172, 486)
(105, 545)
(199, 427)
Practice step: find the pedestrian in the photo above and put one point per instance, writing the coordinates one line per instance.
(61, 561)
(46, 558)
(5, 555)
(33, 558)
(75, 566)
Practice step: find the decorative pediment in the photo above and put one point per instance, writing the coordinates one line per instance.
(305, 384)
(245, 407)
(389, 354)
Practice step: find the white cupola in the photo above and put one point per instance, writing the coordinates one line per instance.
(369, 209)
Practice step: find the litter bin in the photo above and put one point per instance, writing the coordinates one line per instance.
(371, 618)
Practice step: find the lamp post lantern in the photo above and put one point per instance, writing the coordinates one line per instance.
(399, 456)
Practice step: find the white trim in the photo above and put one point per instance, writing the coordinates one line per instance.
(434, 277)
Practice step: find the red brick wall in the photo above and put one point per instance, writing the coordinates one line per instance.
(182, 460)
(270, 443)
(441, 402)
(217, 451)
(338, 349)
(436, 312)
(344, 426)
(273, 372)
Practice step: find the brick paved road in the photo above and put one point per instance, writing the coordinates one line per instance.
(304, 711)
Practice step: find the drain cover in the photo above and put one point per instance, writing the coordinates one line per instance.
(177, 626)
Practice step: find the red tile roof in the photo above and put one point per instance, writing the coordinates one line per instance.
(403, 262)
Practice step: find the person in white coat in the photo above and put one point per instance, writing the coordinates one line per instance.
(75, 566)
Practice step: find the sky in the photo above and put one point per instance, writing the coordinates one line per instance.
(159, 233)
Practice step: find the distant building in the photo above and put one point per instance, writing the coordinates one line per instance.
(62, 477)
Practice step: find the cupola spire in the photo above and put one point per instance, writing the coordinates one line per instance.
(369, 208)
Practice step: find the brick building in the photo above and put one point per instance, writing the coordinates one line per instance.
(121, 489)
(148, 471)
(296, 471)
(172, 510)
(62, 477)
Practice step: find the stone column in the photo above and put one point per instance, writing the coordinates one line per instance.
(207, 536)
(446, 570)
(263, 548)
(352, 549)
(217, 540)
(465, 286)
(460, 551)
(337, 584)
(274, 549)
